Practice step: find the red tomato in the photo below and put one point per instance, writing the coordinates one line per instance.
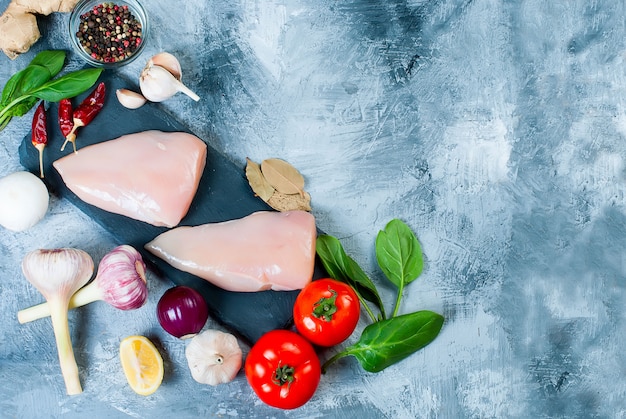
(326, 312)
(283, 369)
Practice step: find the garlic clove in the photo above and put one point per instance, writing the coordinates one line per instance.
(214, 357)
(157, 84)
(130, 99)
(168, 62)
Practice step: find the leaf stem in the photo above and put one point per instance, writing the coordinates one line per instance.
(11, 104)
(334, 358)
(4, 121)
(366, 307)
(398, 298)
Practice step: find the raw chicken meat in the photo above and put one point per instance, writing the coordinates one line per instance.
(264, 250)
(150, 176)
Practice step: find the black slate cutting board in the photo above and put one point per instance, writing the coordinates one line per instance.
(223, 194)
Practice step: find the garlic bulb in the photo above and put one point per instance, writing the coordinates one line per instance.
(158, 84)
(130, 99)
(214, 357)
(120, 281)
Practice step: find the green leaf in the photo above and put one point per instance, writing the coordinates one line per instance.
(68, 86)
(343, 268)
(399, 253)
(53, 60)
(389, 341)
(23, 107)
(24, 81)
(399, 256)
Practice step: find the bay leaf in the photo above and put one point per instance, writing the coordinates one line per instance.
(260, 186)
(290, 202)
(283, 176)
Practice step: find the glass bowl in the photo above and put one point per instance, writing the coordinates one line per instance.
(116, 48)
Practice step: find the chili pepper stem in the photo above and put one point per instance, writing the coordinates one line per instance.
(40, 148)
(71, 137)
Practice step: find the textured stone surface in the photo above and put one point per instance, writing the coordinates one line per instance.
(494, 129)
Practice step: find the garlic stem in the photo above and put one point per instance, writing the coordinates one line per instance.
(82, 297)
(69, 368)
(184, 89)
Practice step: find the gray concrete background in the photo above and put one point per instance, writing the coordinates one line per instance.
(494, 129)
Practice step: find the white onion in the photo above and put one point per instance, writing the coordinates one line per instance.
(23, 200)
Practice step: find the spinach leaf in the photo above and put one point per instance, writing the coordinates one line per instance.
(389, 341)
(69, 85)
(343, 268)
(53, 60)
(399, 256)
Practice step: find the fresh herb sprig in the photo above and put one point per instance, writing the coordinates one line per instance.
(36, 82)
(386, 340)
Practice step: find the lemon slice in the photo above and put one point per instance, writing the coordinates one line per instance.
(142, 364)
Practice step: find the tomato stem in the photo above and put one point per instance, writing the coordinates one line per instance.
(283, 375)
(326, 307)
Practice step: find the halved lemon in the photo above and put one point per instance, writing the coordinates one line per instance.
(142, 364)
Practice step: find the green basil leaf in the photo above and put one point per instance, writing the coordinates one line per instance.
(67, 86)
(399, 253)
(23, 82)
(53, 60)
(343, 268)
(23, 107)
(389, 341)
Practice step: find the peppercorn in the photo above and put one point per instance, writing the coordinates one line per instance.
(109, 32)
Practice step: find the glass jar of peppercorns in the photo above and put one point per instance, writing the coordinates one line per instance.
(108, 33)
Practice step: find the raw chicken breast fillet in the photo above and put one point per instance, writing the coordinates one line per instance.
(264, 250)
(150, 176)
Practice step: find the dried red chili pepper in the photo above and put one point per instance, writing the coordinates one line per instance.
(66, 122)
(39, 136)
(86, 112)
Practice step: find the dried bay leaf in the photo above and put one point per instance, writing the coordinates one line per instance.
(259, 184)
(290, 202)
(282, 176)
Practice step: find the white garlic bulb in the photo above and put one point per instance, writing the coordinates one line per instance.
(214, 357)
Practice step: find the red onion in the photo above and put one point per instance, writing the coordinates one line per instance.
(182, 311)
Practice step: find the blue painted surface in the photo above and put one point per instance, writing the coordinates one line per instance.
(494, 129)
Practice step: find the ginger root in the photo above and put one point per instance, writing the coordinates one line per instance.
(18, 23)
